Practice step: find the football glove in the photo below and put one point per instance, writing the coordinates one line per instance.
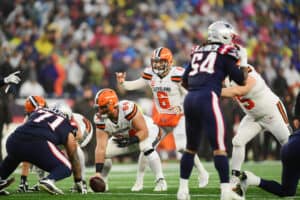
(80, 187)
(176, 109)
(124, 142)
(12, 78)
(243, 56)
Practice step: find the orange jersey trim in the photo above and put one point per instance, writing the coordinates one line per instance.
(147, 76)
(132, 114)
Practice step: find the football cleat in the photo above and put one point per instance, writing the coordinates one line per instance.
(161, 185)
(248, 178)
(203, 179)
(137, 187)
(23, 187)
(49, 186)
(182, 195)
(236, 185)
(6, 182)
(228, 194)
(4, 193)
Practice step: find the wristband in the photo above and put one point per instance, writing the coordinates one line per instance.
(99, 167)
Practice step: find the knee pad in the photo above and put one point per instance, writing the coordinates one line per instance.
(237, 142)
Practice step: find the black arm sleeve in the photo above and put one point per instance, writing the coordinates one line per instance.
(236, 74)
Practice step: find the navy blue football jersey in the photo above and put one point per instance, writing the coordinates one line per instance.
(47, 124)
(209, 66)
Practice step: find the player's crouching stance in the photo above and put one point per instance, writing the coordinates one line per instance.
(120, 129)
(37, 141)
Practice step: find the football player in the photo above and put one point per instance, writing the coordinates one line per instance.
(210, 64)
(37, 140)
(30, 105)
(289, 175)
(165, 81)
(264, 111)
(121, 129)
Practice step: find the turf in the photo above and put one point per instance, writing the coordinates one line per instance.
(122, 178)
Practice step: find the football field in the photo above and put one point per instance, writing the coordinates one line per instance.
(122, 178)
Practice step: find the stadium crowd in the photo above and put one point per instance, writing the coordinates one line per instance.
(72, 48)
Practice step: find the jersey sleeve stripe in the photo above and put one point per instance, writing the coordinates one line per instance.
(132, 114)
(224, 49)
(147, 76)
(101, 126)
(87, 124)
(176, 78)
(282, 112)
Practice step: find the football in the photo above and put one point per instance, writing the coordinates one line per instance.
(97, 184)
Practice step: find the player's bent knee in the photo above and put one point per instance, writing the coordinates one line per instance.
(237, 142)
(288, 193)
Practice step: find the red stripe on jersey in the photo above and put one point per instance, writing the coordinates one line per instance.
(176, 78)
(101, 126)
(132, 114)
(224, 49)
(147, 76)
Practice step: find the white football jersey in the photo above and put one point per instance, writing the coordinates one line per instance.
(166, 92)
(127, 111)
(259, 100)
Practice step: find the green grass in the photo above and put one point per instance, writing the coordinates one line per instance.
(122, 178)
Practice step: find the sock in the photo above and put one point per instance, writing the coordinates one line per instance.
(155, 164)
(186, 165)
(238, 157)
(222, 166)
(82, 162)
(235, 173)
(106, 168)
(142, 163)
(184, 185)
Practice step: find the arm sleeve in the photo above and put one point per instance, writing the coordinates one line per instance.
(233, 70)
(134, 85)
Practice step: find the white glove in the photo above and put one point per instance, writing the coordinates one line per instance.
(243, 56)
(80, 187)
(120, 77)
(12, 78)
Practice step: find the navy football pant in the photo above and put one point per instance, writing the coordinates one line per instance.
(43, 154)
(290, 172)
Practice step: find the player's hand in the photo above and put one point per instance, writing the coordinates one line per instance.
(80, 187)
(122, 141)
(120, 77)
(176, 109)
(12, 78)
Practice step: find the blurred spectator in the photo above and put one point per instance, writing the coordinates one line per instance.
(31, 87)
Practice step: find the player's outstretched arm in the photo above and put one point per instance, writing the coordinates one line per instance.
(130, 85)
(239, 90)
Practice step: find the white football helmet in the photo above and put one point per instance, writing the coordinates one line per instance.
(221, 31)
(65, 109)
(86, 128)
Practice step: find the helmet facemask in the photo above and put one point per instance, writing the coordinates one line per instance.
(160, 67)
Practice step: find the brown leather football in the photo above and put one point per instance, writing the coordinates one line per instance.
(97, 184)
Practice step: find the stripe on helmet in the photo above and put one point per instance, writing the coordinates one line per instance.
(157, 52)
(33, 101)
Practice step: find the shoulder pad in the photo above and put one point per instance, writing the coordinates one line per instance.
(229, 50)
(147, 74)
(176, 74)
(129, 108)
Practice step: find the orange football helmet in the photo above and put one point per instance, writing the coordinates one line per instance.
(33, 102)
(106, 100)
(161, 61)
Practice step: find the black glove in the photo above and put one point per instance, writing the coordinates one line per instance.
(124, 142)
